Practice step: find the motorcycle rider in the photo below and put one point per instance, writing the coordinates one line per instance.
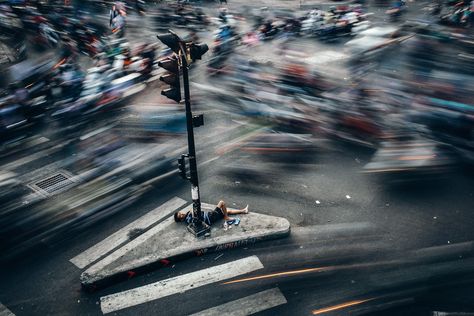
(113, 14)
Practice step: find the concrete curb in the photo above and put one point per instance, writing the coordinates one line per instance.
(170, 242)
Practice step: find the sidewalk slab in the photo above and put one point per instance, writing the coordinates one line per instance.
(170, 241)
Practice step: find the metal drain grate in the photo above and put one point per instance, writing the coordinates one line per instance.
(53, 184)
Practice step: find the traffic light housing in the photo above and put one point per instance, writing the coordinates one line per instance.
(197, 50)
(171, 40)
(182, 167)
(172, 78)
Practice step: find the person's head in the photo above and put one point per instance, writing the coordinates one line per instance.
(179, 216)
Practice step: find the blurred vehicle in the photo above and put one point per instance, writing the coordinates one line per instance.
(372, 42)
(220, 55)
(32, 73)
(409, 158)
(458, 16)
(14, 123)
(396, 10)
(46, 37)
(30, 17)
(335, 23)
(448, 122)
(287, 146)
(101, 92)
(153, 122)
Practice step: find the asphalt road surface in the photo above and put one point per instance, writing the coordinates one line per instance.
(359, 245)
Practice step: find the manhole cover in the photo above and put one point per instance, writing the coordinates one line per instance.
(53, 184)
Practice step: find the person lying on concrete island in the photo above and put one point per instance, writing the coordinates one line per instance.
(220, 212)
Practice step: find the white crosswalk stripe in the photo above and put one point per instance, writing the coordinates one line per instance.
(247, 305)
(178, 284)
(122, 236)
(114, 256)
(5, 311)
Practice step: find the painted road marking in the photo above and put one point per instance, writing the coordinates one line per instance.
(122, 236)
(178, 284)
(247, 305)
(120, 252)
(5, 311)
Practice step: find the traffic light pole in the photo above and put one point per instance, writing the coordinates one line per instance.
(191, 147)
(183, 51)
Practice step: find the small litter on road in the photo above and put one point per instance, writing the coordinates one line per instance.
(134, 233)
(304, 186)
(218, 256)
(435, 217)
(348, 196)
(317, 202)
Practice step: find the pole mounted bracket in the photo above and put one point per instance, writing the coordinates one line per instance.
(198, 120)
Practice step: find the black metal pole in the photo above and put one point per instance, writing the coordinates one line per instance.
(191, 147)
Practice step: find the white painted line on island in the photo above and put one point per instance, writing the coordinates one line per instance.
(122, 236)
(5, 311)
(114, 256)
(178, 284)
(248, 305)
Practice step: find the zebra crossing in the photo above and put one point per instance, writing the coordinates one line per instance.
(179, 284)
(247, 305)
(121, 236)
(5, 311)
(105, 251)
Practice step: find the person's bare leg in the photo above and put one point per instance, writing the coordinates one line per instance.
(242, 211)
(227, 212)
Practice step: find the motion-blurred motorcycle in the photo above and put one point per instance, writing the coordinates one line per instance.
(396, 11)
(47, 37)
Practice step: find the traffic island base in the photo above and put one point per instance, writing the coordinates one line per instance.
(170, 242)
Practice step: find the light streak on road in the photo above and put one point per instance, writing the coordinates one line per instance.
(59, 63)
(272, 275)
(320, 269)
(340, 306)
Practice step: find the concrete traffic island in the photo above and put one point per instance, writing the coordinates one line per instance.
(170, 242)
